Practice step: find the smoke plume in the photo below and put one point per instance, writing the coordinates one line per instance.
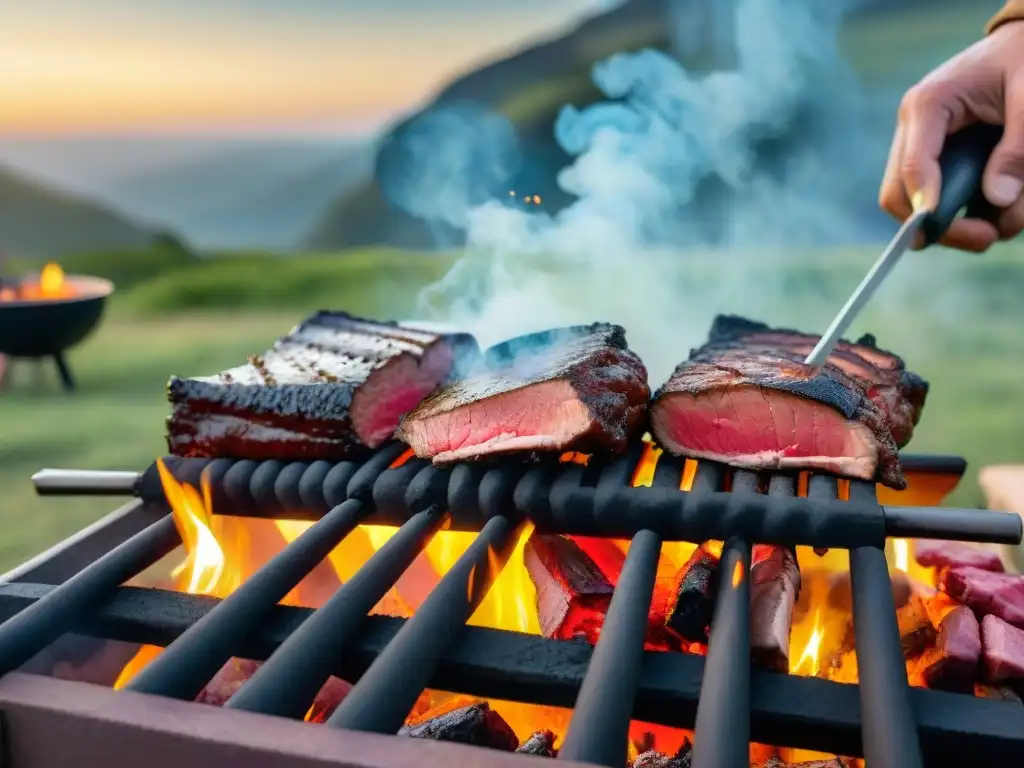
(692, 189)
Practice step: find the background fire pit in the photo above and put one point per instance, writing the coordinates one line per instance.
(45, 314)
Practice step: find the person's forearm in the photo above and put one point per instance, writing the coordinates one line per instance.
(1012, 11)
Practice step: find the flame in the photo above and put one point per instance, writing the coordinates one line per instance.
(809, 657)
(51, 284)
(901, 554)
(51, 281)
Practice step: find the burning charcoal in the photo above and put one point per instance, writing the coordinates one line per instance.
(692, 603)
(572, 592)
(774, 588)
(227, 681)
(985, 592)
(540, 743)
(653, 759)
(834, 762)
(1002, 648)
(998, 692)
(328, 699)
(476, 724)
(917, 632)
(952, 663)
(953, 554)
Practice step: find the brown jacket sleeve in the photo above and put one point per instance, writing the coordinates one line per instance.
(1012, 11)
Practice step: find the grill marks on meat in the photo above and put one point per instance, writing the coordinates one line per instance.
(765, 411)
(577, 388)
(333, 388)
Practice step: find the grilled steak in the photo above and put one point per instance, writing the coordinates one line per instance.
(763, 411)
(577, 388)
(333, 388)
(898, 393)
(952, 554)
(1002, 651)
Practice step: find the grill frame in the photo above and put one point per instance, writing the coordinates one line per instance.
(598, 727)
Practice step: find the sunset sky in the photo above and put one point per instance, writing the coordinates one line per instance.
(156, 66)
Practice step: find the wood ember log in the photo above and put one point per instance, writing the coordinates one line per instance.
(654, 759)
(540, 743)
(1002, 648)
(951, 664)
(572, 592)
(476, 724)
(997, 692)
(774, 589)
(834, 762)
(237, 672)
(692, 602)
(917, 632)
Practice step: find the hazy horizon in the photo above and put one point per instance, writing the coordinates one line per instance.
(111, 68)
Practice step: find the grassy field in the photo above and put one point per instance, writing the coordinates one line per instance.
(972, 353)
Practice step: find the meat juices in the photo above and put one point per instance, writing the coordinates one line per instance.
(333, 388)
(578, 388)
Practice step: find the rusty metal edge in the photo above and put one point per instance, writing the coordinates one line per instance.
(49, 722)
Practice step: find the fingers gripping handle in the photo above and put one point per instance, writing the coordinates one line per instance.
(963, 162)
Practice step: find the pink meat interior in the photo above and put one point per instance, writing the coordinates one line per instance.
(396, 388)
(545, 416)
(758, 428)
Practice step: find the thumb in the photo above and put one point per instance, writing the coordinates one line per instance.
(1004, 175)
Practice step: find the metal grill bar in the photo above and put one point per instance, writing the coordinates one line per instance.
(599, 730)
(24, 635)
(890, 732)
(290, 679)
(189, 663)
(722, 734)
(788, 710)
(386, 693)
(262, 489)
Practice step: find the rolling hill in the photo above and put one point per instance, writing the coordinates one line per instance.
(40, 222)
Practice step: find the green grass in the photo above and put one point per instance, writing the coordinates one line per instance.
(971, 352)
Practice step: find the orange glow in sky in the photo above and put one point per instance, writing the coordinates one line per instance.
(145, 65)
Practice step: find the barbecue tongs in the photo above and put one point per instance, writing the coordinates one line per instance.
(963, 162)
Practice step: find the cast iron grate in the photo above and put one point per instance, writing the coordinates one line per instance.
(393, 660)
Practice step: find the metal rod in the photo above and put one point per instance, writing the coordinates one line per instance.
(85, 482)
(722, 732)
(24, 635)
(288, 682)
(599, 730)
(181, 671)
(385, 694)
(805, 712)
(889, 731)
(953, 524)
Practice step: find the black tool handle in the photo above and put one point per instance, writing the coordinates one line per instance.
(963, 162)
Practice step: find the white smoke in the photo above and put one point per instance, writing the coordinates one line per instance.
(678, 215)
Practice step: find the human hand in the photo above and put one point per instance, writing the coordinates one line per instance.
(984, 83)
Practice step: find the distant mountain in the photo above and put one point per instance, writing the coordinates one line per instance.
(252, 194)
(37, 221)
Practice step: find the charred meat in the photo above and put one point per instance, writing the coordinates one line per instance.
(578, 388)
(765, 411)
(333, 388)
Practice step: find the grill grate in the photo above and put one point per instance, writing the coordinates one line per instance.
(393, 660)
